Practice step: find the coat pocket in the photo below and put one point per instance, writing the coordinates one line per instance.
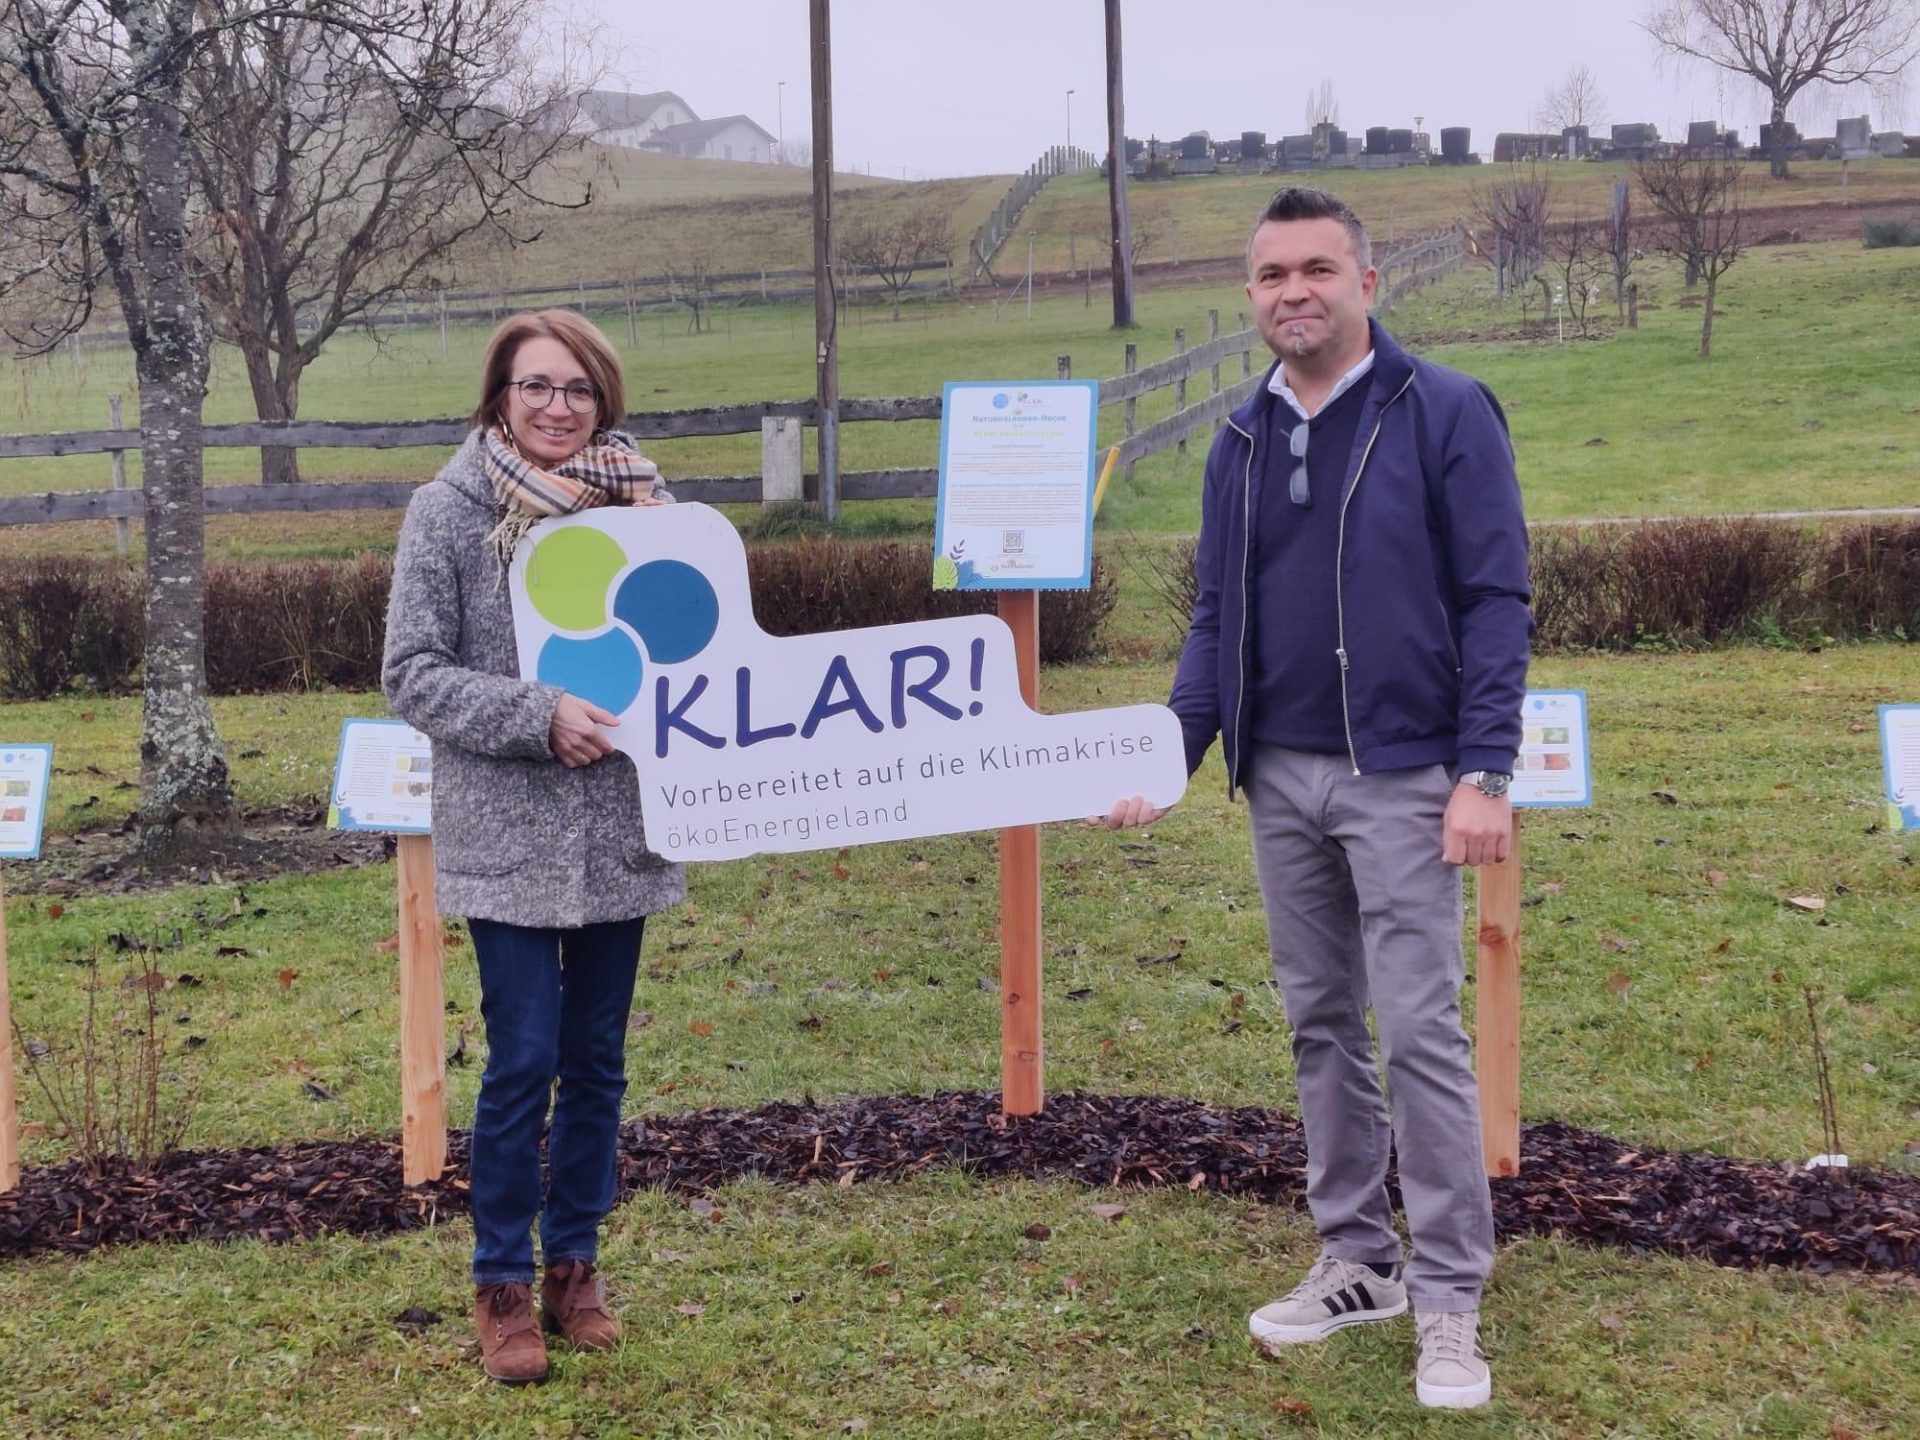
(613, 810)
(482, 811)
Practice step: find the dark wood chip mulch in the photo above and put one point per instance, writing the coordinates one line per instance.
(1573, 1182)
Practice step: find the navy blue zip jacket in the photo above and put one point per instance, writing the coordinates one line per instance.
(1432, 592)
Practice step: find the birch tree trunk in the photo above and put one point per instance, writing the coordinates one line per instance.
(186, 793)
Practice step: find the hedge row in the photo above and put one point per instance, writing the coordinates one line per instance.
(303, 625)
(1684, 584)
(69, 622)
(1690, 583)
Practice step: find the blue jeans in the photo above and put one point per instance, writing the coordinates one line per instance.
(555, 1004)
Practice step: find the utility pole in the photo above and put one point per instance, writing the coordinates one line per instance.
(1122, 262)
(1069, 119)
(780, 110)
(825, 302)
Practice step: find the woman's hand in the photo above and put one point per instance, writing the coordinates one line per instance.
(575, 736)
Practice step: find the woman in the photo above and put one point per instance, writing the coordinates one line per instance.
(536, 826)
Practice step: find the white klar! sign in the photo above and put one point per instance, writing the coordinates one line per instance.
(747, 742)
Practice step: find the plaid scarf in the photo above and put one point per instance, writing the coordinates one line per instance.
(609, 472)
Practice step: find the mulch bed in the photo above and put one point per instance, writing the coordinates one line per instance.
(285, 840)
(1574, 1182)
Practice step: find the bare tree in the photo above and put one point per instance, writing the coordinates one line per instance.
(1322, 108)
(1514, 213)
(890, 247)
(1701, 224)
(1784, 46)
(793, 152)
(1620, 242)
(334, 183)
(96, 106)
(1579, 263)
(689, 277)
(1146, 228)
(1574, 99)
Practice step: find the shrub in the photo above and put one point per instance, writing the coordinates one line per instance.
(114, 1087)
(64, 619)
(1886, 234)
(321, 624)
(1867, 583)
(1687, 583)
(297, 625)
(814, 584)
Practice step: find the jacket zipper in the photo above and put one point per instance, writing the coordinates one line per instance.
(1246, 560)
(1339, 578)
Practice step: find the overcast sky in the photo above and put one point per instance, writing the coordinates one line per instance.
(981, 87)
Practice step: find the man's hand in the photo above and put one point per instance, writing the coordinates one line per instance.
(1135, 810)
(575, 736)
(1477, 829)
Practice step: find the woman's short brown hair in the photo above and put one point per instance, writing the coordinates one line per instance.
(581, 337)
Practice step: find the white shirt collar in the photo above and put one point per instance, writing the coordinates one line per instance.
(1278, 385)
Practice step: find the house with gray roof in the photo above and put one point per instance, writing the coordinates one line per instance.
(615, 117)
(731, 137)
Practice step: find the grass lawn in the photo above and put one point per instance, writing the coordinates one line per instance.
(1664, 971)
(1807, 402)
(1662, 1004)
(922, 1310)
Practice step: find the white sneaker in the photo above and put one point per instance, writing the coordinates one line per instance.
(1336, 1293)
(1452, 1372)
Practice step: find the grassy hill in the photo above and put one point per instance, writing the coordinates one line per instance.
(650, 213)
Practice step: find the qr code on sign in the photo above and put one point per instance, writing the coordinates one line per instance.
(1012, 542)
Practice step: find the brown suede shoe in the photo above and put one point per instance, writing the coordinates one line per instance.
(510, 1345)
(573, 1304)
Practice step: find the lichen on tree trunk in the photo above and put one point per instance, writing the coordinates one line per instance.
(186, 792)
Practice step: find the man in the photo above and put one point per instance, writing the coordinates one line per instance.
(1359, 643)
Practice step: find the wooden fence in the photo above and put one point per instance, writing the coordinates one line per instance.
(774, 420)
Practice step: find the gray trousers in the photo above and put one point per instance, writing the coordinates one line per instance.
(1360, 907)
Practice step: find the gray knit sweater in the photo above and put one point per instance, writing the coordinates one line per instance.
(517, 836)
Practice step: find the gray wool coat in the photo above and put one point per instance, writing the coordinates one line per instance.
(517, 836)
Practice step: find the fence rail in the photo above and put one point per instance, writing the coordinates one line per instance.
(1125, 390)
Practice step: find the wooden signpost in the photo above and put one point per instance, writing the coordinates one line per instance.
(1554, 770)
(423, 1057)
(1022, 1068)
(1497, 1010)
(26, 771)
(383, 782)
(9, 1102)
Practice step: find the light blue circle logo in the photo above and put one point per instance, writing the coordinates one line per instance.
(1000, 401)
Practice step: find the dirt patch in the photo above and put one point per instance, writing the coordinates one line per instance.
(293, 841)
(1575, 1183)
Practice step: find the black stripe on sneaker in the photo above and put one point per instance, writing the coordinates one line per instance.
(1351, 1303)
(1333, 1306)
(1360, 1289)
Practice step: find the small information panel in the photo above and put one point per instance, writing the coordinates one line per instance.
(24, 771)
(1015, 508)
(1554, 766)
(383, 779)
(1900, 759)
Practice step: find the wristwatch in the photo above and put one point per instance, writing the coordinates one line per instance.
(1490, 783)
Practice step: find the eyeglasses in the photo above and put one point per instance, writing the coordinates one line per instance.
(538, 394)
(1297, 486)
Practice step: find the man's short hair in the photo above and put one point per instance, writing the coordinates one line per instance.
(1304, 202)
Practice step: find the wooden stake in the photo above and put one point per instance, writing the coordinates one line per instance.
(1497, 1010)
(121, 529)
(9, 1106)
(1022, 1077)
(423, 1061)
